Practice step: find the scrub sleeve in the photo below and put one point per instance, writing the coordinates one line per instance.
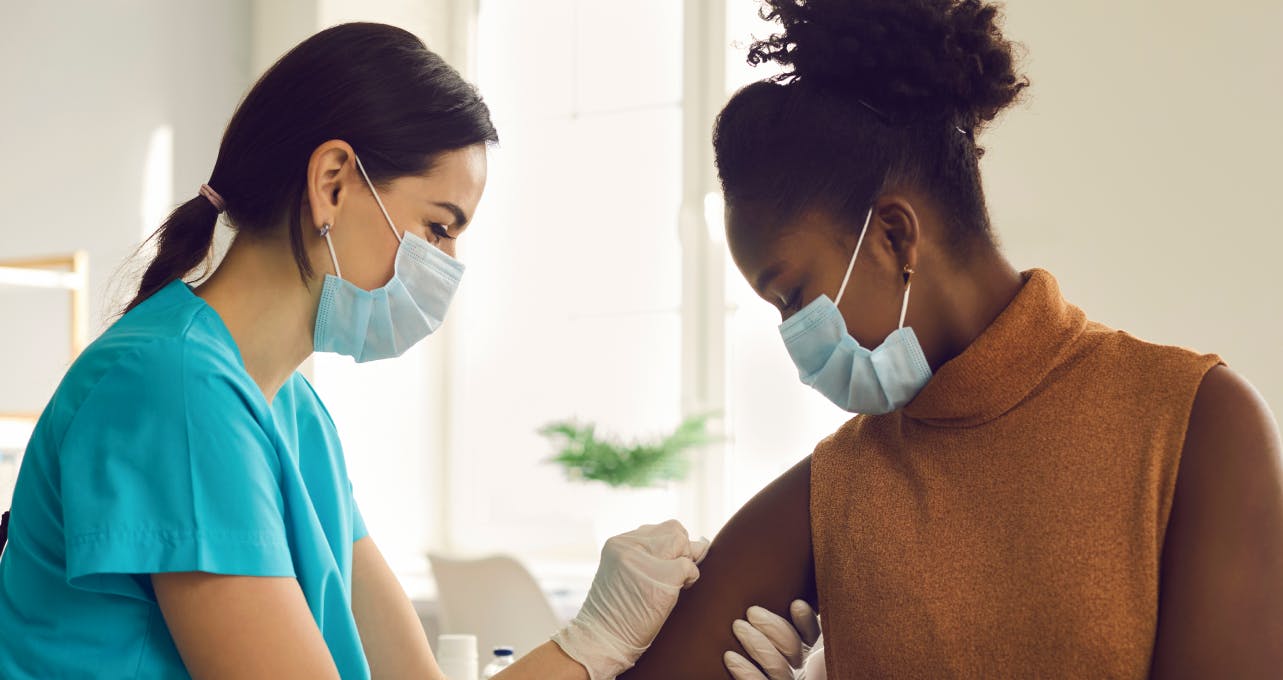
(166, 468)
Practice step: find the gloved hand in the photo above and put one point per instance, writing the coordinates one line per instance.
(636, 587)
(776, 645)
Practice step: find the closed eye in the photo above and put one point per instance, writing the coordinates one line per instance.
(440, 230)
(795, 297)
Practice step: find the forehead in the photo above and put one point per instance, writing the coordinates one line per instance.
(758, 240)
(459, 176)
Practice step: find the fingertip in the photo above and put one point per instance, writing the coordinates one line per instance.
(699, 549)
(736, 664)
(692, 574)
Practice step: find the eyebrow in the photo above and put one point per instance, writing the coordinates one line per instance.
(460, 219)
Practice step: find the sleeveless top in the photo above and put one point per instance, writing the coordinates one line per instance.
(1009, 521)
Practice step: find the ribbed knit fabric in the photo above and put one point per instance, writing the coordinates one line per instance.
(1009, 521)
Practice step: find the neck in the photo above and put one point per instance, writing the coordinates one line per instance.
(965, 302)
(269, 311)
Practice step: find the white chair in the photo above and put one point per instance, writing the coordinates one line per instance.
(494, 598)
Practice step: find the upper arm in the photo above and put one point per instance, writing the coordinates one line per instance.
(167, 468)
(231, 627)
(1221, 599)
(762, 557)
(391, 635)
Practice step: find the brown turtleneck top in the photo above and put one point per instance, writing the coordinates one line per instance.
(1009, 521)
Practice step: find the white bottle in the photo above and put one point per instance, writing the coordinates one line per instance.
(503, 657)
(457, 656)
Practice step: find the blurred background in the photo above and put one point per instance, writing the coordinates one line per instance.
(1143, 170)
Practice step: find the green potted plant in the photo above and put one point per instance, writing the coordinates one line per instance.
(638, 473)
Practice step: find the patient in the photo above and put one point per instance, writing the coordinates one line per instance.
(1027, 493)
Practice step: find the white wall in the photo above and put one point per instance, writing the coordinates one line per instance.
(1144, 170)
(571, 304)
(89, 89)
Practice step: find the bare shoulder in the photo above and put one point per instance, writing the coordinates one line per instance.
(761, 557)
(1232, 442)
(1228, 406)
(1221, 599)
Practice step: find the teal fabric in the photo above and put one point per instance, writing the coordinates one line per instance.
(158, 453)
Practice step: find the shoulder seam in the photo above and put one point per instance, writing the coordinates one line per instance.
(133, 352)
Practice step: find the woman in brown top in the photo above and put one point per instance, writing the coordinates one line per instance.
(1026, 493)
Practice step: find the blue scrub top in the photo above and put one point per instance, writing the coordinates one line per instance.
(158, 453)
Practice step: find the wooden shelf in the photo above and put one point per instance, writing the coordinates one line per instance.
(60, 272)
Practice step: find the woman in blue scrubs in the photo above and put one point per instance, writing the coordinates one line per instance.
(183, 508)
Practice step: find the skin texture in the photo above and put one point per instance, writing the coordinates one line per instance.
(231, 627)
(391, 634)
(1221, 604)
(762, 557)
(235, 626)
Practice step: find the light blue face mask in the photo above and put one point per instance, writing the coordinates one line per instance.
(857, 379)
(368, 325)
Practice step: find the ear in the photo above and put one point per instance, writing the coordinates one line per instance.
(327, 181)
(899, 232)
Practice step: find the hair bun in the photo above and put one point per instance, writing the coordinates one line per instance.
(912, 60)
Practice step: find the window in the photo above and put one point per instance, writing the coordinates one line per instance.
(571, 303)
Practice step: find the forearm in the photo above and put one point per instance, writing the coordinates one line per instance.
(547, 662)
(391, 634)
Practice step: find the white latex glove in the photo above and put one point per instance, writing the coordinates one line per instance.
(814, 668)
(636, 587)
(777, 645)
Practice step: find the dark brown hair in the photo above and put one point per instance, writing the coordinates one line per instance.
(875, 92)
(374, 86)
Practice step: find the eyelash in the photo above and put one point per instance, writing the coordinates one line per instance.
(439, 230)
(792, 299)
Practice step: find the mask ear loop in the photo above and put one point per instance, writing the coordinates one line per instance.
(325, 233)
(378, 200)
(850, 267)
(904, 306)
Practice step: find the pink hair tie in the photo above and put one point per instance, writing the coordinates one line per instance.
(217, 201)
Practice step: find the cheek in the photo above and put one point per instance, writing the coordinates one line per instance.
(375, 259)
(871, 309)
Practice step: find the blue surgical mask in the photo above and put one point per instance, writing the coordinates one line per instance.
(368, 325)
(855, 378)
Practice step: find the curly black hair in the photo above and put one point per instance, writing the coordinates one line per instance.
(873, 92)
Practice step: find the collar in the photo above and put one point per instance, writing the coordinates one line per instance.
(1006, 362)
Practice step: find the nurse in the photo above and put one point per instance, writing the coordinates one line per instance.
(183, 508)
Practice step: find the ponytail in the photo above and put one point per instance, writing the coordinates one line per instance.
(182, 242)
